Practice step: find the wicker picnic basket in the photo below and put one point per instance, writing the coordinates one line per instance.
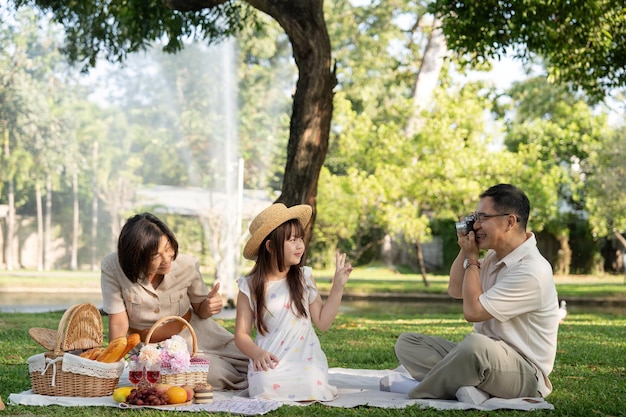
(61, 371)
(199, 368)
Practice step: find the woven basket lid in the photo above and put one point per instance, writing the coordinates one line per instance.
(80, 328)
(45, 337)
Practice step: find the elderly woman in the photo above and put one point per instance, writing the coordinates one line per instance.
(146, 279)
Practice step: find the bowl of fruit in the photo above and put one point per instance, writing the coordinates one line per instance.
(157, 395)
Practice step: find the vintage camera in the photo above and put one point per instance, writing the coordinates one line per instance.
(466, 225)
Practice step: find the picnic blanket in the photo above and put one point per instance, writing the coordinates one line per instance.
(357, 387)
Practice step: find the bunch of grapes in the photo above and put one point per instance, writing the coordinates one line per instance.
(147, 396)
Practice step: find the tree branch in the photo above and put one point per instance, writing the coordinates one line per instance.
(191, 5)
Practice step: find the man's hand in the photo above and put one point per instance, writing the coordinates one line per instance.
(468, 245)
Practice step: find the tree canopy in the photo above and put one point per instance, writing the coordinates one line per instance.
(116, 28)
(382, 182)
(583, 42)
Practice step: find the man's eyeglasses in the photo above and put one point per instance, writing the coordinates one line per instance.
(481, 217)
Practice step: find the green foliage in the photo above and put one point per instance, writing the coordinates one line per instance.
(555, 133)
(376, 182)
(606, 199)
(116, 29)
(585, 247)
(445, 229)
(265, 75)
(581, 41)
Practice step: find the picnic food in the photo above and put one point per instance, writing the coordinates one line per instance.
(203, 393)
(147, 396)
(61, 371)
(176, 395)
(113, 351)
(121, 394)
(132, 340)
(92, 353)
(162, 388)
(189, 390)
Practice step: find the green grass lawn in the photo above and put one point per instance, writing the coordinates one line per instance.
(363, 281)
(589, 377)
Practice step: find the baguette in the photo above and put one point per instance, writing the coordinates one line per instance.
(113, 351)
(92, 353)
(132, 340)
(95, 352)
(86, 353)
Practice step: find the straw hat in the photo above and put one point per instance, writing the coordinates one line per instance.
(268, 220)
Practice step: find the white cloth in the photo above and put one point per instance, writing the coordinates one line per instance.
(302, 370)
(357, 387)
(73, 363)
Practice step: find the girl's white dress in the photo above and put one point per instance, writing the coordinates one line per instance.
(302, 371)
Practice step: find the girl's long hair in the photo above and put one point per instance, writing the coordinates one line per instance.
(274, 259)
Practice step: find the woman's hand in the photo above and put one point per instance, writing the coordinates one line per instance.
(211, 305)
(264, 361)
(214, 300)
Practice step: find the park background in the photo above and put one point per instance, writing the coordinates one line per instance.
(399, 141)
(415, 136)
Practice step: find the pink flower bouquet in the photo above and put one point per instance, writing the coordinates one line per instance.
(174, 355)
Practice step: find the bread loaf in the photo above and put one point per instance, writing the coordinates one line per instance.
(113, 351)
(87, 353)
(95, 352)
(92, 353)
(132, 340)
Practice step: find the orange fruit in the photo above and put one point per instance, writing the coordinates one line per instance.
(177, 395)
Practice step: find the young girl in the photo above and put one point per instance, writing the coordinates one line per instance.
(279, 298)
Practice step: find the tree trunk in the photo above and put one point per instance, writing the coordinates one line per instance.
(47, 256)
(425, 84)
(564, 258)
(94, 208)
(620, 238)
(427, 76)
(40, 233)
(303, 22)
(10, 227)
(420, 260)
(75, 223)
(8, 245)
(386, 252)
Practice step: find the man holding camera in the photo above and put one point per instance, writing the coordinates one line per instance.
(510, 297)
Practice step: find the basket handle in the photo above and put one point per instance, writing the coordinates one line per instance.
(167, 319)
(63, 328)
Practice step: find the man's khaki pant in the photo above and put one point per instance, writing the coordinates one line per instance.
(443, 366)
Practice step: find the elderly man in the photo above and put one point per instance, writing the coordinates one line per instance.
(510, 297)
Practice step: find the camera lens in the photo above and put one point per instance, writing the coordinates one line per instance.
(461, 227)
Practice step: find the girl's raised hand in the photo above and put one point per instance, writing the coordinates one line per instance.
(342, 270)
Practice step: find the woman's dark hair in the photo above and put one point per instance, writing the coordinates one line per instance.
(139, 242)
(508, 198)
(267, 261)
